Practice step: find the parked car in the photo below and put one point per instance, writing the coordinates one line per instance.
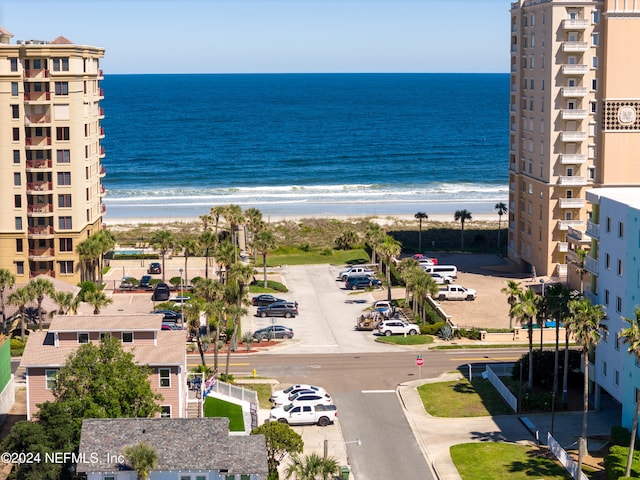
(265, 299)
(355, 270)
(361, 281)
(144, 282)
(397, 327)
(322, 415)
(161, 293)
(385, 308)
(305, 396)
(272, 332)
(169, 315)
(278, 309)
(154, 267)
(280, 394)
(423, 259)
(171, 326)
(127, 283)
(441, 278)
(456, 292)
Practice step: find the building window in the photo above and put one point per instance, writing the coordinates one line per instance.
(619, 267)
(62, 88)
(83, 338)
(595, 39)
(594, 84)
(19, 245)
(595, 16)
(165, 411)
(16, 134)
(618, 305)
(16, 157)
(63, 156)
(127, 337)
(608, 224)
(66, 267)
(594, 62)
(14, 64)
(105, 336)
(606, 297)
(62, 133)
(18, 222)
(604, 368)
(64, 223)
(64, 178)
(64, 200)
(17, 201)
(51, 379)
(16, 179)
(14, 89)
(164, 375)
(66, 244)
(607, 261)
(617, 379)
(15, 111)
(620, 229)
(60, 64)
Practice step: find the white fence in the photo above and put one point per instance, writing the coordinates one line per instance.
(502, 389)
(562, 456)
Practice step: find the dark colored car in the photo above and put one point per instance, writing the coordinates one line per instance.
(171, 326)
(278, 309)
(273, 331)
(161, 293)
(154, 267)
(265, 299)
(361, 281)
(169, 315)
(144, 282)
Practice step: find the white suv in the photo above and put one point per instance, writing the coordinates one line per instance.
(397, 327)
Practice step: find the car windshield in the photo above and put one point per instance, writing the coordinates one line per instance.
(287, 390)
(288, 407)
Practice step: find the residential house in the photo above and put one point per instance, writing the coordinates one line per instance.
(162, 350)
(186, 448)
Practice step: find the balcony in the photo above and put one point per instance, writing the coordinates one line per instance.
(38, 164)
(102, 171)
(101, 112)
(37, 141)
(100, 74)
(565, 224)
(573, 136)
(36, 73)
(103, 190)
(33, 119)
(41, 253)
(102, 152)
(572, 202)
(48, 273)
(578, 237)
(562, 270)
(572, 92)
(574, 69)
(39, 187)
(103, 209)
(572, 180)
(575, 23)
(589, 295)
(37, 96)
(101, 132)
(574, 47)
(101, 93)
(593, 229)
(591, 264)
(40, 231)
(573, 158)
(563, 247)
(42, 209)
(573, 114)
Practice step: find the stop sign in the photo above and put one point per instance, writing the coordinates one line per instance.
(419, 361)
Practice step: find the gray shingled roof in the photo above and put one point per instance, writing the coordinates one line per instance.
(181, 444)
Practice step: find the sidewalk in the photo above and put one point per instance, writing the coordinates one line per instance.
(435, 435)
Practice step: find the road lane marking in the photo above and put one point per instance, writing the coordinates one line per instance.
(231, 364)
(483, 359)
(377, 391)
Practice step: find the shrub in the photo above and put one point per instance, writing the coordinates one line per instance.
(544, 362)
(473, 334)
(271, 284)
(327, 252)
(86, 287)
(621, 436)
(431, 328)
(536, 401)
(16, 346)
(616, 462)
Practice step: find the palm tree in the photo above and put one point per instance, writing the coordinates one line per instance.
(580, 265)
(164, 241)
(189, 248)
(408, 268)
(20, 298)
(97, 300)
(526, 309)
(312, 466)
(253, 223)
(7, 281)
(389, 249)
(631, 336)
(423, 285)
(502, 209)
(241, 275)
(234, 217)
(215, 213)
(38, 288)
(420, 216)
(192, 312)
(374, 236)
(264, 241)
(207, 241)
(89, 253)
(513, 290)
(142, 458)
(585, 323)
(225, 256)
(66, 301)
(462, 216)
(212, 292)
(105, 241)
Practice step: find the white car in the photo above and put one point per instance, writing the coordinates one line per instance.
(305, 397)
(355, 270)
(280, 396)
(397, 327)
(322, 415)
(441, 279)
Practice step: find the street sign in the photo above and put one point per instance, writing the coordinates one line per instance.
(419, 361)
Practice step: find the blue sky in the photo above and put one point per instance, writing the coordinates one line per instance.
(269, 36)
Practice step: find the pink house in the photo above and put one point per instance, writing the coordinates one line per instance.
(162, 350)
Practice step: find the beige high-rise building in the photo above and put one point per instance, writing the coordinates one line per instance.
(50, 155)
(574, 120)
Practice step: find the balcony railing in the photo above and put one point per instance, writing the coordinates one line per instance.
(591, 264)
(46, 230)
(39, 186)
(36, 73)
(43, 208)
(36, 141)
(103, 208)
(39, 163)
(593, 229)
(573, 136)
(48, 273)
(572, 180)
(569, 92)
(563, 247)
(101, 132)
(574, 114)
(102, 151)
(573, 158)
(41, 252)
(39, 119)
(565, 224)
(575, 23)
(102, 171)
(103, 190)
(573, 47)
(572, 202)
(37, 96)
(574, 69)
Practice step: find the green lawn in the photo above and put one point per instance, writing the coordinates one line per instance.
(300, 257)
(462, 399)
(264, 392)
(505, 461)
(214, 407)
(408, 340)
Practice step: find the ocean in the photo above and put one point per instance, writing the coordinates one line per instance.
(297, 144)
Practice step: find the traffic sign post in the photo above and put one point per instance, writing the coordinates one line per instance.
(419, 363)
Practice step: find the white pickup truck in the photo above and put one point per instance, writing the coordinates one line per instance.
(355, 270)
(292, 414)
(456, 292)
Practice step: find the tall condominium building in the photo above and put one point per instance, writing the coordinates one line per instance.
(50, 155)
(574, 119)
